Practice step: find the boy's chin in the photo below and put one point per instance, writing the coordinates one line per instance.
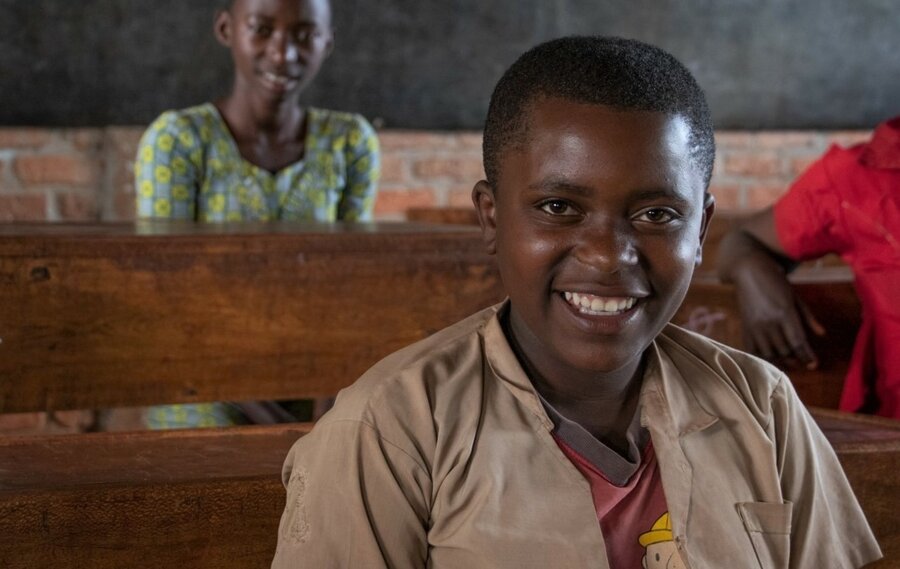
(603, 360)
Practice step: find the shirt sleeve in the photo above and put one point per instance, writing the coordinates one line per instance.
(828, 527)
(363, 159)
(167, 168)
(354, 500)
(808, 217)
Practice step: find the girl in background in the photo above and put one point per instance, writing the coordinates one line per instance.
(257, 154)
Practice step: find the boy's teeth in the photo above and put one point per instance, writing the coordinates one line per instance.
(590, 304)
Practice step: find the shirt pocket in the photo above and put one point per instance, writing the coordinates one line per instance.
(768, 526)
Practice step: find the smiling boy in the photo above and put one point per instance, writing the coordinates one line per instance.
(555, 429)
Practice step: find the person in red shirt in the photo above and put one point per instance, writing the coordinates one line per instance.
(848, 203)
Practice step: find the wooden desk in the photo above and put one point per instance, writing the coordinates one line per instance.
(124, 315)
(451, 215)
(119, 315)
(213, 498)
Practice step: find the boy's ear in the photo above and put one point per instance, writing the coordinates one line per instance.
(709, 207)
(486, 208)
(222, 27)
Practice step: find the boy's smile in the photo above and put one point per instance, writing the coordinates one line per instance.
(597, 221)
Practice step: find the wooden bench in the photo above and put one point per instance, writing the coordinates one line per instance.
(106, 316)
(109, 315)
(441, 215)
(213, 498)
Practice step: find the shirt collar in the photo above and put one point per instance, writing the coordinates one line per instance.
(665, 385)
(662, 382)
(883, 150)
(506, 367)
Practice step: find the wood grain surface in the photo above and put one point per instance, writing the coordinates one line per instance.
(124, 315)
(105, 316)
(212, 499)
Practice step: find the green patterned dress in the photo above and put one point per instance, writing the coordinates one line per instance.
(188, 167)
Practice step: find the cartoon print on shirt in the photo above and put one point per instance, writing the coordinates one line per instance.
(659, 542)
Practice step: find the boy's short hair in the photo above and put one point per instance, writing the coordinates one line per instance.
(620, 73)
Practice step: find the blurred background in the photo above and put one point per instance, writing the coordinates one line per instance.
(80, 80)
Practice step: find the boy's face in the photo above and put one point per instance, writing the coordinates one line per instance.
(277, 46)
(597, 223)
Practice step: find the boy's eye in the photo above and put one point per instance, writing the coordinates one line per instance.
(657, 215)
(557, 207)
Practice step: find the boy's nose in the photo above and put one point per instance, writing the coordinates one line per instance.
(606, 248)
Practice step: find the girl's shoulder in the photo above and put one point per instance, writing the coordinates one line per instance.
(338, 122)
(196, 118)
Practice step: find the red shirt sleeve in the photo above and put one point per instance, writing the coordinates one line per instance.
(808, 217)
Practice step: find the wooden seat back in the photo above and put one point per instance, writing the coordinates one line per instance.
(212, 498)
(99, 316)
(124, 315)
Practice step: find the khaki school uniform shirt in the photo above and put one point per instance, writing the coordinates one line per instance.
(441, 456)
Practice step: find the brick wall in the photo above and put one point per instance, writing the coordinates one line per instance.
(85, 174)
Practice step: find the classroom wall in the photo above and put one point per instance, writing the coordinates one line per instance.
(431, 64)
(85, 174)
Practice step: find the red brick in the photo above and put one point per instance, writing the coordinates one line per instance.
(20, 423)
(799, 165)
(123, 205)
(752, 164)
(398, 201)
(783, 140)
(392, 140)
(763, 196)
(460, 197)
(735, 139)
(393, 169)
(124, 171)
(728, 197)
(74, 206)
(87, 139)
(23, 207)
(848, 138)
(469, 141)
(54, 169)
(24, 137)
(124, 141)
(459, 168)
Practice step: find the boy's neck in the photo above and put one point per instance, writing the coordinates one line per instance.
(603, 403)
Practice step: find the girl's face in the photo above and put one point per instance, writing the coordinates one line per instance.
(277, 46)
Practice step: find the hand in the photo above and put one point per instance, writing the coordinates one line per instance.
(774, 319)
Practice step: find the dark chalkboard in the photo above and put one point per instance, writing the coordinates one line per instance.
(432, 64)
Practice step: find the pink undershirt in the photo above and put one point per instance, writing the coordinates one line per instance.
(624, 512)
